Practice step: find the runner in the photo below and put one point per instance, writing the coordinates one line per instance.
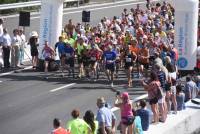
(109, 60)
(129, 59)
(69, 60)
(48, 53)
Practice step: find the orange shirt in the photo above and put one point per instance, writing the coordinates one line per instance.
(134, 49)
(144, 52)
(60, 130)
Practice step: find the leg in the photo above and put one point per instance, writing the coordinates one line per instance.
(129, 76)
(154, 109)
(46, 63)
(124, 128)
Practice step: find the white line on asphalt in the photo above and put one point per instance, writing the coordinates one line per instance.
(56, 89)
(11, 72)
(1, 81)
(135, 100)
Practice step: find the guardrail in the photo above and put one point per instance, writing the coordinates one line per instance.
(28, 4)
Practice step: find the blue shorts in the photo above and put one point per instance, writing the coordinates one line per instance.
(110, 67)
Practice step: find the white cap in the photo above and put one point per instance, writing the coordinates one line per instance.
(34, 34)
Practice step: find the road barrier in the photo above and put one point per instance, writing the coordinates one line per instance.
(29, 4)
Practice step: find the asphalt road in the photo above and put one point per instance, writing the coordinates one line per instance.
(29, 102)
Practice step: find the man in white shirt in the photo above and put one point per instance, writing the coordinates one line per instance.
(16, 41)
(1, 27)
(6, 45)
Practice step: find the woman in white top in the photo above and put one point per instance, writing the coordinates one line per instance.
(172, 76)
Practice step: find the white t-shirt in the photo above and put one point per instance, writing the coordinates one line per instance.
(6, 40)
(1, 30)
(16, 40)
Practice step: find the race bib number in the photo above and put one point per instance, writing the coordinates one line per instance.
(128, 59)
(109, 61)
(93, 58)
(68, 55)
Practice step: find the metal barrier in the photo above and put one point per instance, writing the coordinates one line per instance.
(28, 4)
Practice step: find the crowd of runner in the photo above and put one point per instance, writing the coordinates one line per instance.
(141, 39)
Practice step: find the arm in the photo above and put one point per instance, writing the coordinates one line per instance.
(117, 102)
(145, 85)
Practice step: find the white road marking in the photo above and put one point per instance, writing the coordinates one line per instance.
(56, 89)
(1, 81)
(11, 72)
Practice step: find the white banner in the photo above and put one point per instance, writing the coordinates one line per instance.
(186, 36)
(50, 22)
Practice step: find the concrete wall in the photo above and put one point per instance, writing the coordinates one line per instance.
(185, 122)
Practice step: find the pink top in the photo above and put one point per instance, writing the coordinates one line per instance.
(126, 110)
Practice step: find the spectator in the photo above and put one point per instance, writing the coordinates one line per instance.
(16, 41)
(151, 87)
(89, 119)
(1, 27)
(137, 125)
(161, 102)
(6, 43)
(57, 128)
(22, 46)
(105, 118)
(48, 53)
(180, 98)
(77, 125)
(33, 41)
(144, 114)
(172, 76)
(191, 89)
(127, 119)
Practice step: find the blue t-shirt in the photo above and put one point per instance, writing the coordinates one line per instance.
(105, 115)
(145, 118)
(69, 50)
(109, 56)
(61, 47)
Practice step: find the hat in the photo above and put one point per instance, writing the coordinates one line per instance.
(34, 34)
(125, 95)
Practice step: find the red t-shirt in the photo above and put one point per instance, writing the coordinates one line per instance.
(60, 130)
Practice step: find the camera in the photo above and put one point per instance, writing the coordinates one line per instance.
(118, 93)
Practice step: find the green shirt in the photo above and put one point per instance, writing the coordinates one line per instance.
(77, 126)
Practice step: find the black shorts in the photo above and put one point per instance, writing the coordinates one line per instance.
(62, 56)
(70, 62)
(146, 65)
(127, 65)
(110, 67)
(48, 59)
(80, 60)
(153, 101)
(92, 63)
(34, 52)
